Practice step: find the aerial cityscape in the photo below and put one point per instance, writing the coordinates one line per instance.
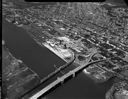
(91, 36)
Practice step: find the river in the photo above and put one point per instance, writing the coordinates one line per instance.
(41, 60)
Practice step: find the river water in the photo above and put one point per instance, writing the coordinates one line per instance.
(41, 60)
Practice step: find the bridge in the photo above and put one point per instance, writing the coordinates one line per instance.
(61, 80)
(49, 76)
